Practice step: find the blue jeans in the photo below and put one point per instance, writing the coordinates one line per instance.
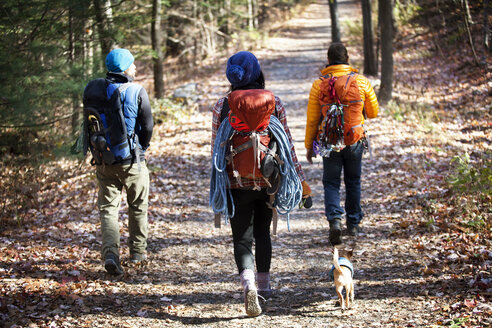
(350, 159)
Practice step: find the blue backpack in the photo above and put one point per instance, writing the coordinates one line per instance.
(107, 135)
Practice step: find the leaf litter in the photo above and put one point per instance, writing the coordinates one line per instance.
(417, 262)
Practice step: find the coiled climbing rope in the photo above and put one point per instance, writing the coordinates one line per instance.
(289, 193)
(219, 181)
(290, 190)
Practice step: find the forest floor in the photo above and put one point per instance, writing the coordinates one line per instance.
(412, 268)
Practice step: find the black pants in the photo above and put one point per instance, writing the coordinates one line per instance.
(252, 220)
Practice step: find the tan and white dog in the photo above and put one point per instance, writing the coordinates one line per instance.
(343, 273)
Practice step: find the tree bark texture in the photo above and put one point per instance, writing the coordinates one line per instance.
(224, 26)
(104, 18)
(486, 28)
(468, 22)
(335, 27)
(77, 17)
(158, 57)
(386, 25)
(250, 15)
(370, 63)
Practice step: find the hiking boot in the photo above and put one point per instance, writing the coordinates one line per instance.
(112, 264)
(265, 293)
(251, 303)
(136, 258)
(264, 288)
(336, 231)
(353, 230)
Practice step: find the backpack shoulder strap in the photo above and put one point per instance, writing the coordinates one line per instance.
(275, 111)
(120, 88)
(351, 75)
(124, 86)
(225, 110)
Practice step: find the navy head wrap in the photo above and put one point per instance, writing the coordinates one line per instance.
(243, 68)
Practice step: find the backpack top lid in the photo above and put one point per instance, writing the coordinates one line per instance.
(342, 89)
(253, 107)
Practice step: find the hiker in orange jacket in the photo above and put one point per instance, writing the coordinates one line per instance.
(350, 158)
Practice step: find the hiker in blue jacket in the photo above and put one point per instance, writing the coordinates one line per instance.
(130, 173)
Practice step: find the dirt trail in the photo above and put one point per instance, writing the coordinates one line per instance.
(204, 284)
(190, 278)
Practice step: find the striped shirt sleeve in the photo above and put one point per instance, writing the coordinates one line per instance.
(216, 120)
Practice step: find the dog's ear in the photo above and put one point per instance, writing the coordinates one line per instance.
(350, 254)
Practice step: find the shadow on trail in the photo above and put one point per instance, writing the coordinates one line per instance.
(286, 302)
(160, 243)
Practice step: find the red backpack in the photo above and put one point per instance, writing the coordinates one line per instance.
(251, 141)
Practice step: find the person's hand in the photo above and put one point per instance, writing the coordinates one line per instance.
(307, 201)
(309, 155)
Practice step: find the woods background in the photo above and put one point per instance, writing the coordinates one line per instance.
(425, 258)
(51, 49)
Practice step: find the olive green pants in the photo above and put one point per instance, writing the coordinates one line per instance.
(112, 179)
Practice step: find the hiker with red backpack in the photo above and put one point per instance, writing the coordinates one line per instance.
(255, 171)
(338, 103)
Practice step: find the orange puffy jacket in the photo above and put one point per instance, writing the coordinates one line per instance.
(367, 94)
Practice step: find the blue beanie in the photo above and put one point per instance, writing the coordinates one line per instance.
(242, 69)
(118, 60)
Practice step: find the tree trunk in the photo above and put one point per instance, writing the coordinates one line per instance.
(263, 11)
(212, 28)
(71, 59)
(370, 63)
(195, 31)
(386, 25)
(78, 15)
(335, 28)
(468, 22)
(250, 15)
(225, 25)
(158, 57)
(255, 13)
(104, 17)
(486, 29)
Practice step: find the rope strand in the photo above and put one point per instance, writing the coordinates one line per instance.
(289, 194)
(219, 181)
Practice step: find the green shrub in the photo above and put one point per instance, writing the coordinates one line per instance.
(470, 184)
(416, 111)
(469, 176)
(170, 110)
(405, 11)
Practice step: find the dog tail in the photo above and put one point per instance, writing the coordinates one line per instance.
(335, 260)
